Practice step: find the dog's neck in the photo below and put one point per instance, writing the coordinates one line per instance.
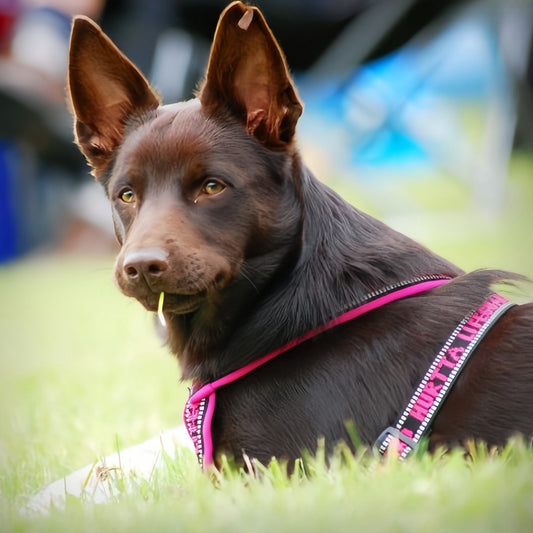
(338, 256)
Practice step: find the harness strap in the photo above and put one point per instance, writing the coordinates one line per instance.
(441, 375)
(200, 406)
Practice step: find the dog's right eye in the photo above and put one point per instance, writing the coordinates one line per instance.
(212, 187)
(127, 196)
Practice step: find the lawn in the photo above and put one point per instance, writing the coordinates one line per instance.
(82, 373)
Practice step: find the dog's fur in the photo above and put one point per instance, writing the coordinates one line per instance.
(213, 205)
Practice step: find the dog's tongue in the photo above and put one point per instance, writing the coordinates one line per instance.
(160, 314)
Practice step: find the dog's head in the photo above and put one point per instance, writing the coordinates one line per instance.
(197, 188)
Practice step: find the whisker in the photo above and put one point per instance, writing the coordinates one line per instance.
(249, 280)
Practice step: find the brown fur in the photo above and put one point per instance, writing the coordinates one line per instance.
(213, 206)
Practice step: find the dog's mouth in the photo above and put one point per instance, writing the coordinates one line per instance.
(183, 294)
(177, 304)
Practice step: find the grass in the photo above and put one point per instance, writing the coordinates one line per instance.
(72, 352)
(81, 368)
(485, 493)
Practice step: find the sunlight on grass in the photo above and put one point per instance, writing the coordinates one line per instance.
(79, 364)
(486, 492)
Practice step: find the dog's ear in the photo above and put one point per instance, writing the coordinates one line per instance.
(247, 72)
(105, 88)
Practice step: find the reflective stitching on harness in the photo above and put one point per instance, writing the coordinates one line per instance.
(441, 375)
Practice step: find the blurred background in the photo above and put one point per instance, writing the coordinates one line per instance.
(419, 112)
(400, 95)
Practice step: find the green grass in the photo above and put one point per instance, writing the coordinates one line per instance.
(486, 494)
(81, 368)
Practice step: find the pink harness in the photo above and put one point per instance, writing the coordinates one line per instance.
(200, 406)
(428, 397)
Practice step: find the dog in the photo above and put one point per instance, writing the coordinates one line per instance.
(307, 317)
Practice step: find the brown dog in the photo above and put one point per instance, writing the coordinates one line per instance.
(214, 208)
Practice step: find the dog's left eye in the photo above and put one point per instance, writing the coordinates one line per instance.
(127, 196)
(211, 187)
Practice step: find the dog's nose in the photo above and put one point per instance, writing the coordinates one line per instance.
(149, 263)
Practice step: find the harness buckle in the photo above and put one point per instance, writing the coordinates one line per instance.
(397, 434)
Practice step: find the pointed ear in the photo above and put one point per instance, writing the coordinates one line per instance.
(247, 72)
(105, 88)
